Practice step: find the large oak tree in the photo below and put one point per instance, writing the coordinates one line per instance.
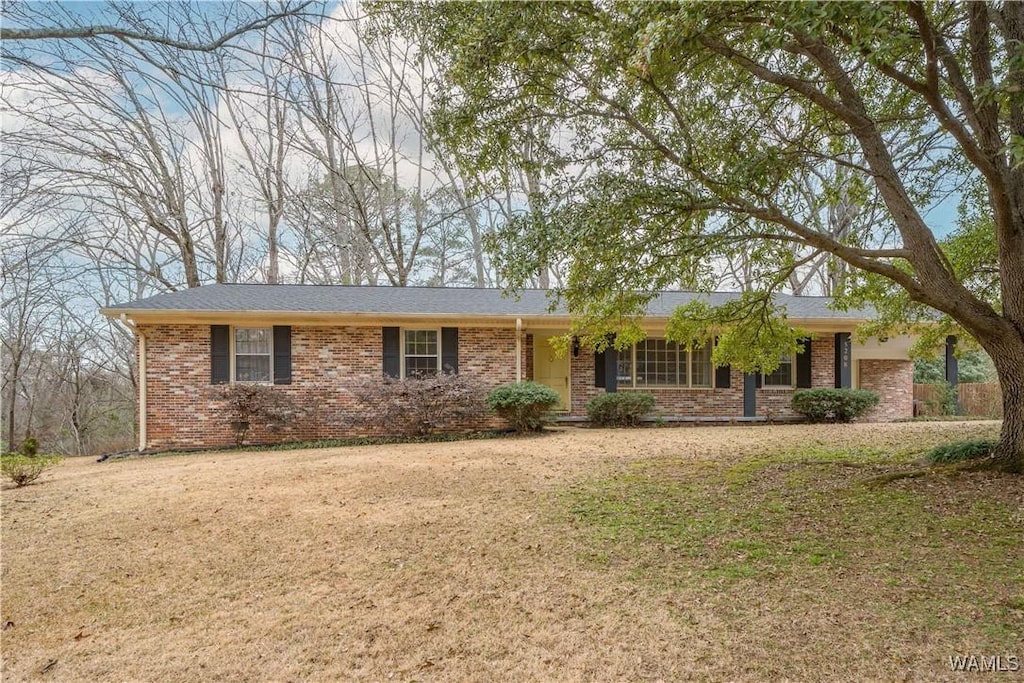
(695, 126)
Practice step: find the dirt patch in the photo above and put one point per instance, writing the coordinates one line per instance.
(447, 561)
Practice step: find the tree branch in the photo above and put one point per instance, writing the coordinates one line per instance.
(127, 35)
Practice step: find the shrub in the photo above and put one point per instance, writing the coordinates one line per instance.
(944, 401)
(248, 405)
(526, 405)
(29, 447)
(962, 450)
(619, 409)
(420, 405)
(833, 405)
(25, 469)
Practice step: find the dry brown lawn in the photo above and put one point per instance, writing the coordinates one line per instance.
(453, 561)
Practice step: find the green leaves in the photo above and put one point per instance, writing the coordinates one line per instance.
(752, 332)
(704, 146)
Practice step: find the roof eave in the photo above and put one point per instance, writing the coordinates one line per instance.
(182, 316)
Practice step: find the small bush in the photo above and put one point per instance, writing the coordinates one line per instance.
(420, 405)
(251, 405)
(526, 405)
(619, 409)
(29, 447)
(833, 405)
(962, 450)
(943, 401)
(25, 469)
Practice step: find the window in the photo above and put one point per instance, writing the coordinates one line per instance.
(661, 363)
(624, 367)
(421, 353)
(700, 366)
(783, 375)
(657, 363)
(253, 353)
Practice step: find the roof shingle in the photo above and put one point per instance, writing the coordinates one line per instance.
(440, 301)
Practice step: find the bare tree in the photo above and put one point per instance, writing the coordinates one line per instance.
(40, 22)
(261, 115)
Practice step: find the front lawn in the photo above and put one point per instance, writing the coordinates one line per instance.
(710, 553)
(806, 551)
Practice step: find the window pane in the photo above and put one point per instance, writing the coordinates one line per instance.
(420, 366)
(700, 366)
(421, 342)
(252, 354)
(624, 368)
(783, 376)
(657, 363)
(252, 368)
(252, 340)
(421, 351)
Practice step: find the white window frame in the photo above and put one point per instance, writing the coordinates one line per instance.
(403, 331)
(655, 387)
(234, 378)
(792, 376)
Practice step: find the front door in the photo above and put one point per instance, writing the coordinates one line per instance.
(551, 370)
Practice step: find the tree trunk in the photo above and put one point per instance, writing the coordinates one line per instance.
(272, 255)
(1009, 361)
(10, 418)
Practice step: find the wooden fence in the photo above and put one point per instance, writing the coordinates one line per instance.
(976, 399)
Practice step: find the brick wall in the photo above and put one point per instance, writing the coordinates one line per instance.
(894, 382)
(681, 402)
(823, 361)
(772, 403)
(581, 381)
(181, 411)
(527, 357)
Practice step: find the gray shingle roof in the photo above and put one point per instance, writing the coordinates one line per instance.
(440, 301)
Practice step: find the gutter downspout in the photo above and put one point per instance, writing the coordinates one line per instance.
(142, 381)
(519, 349)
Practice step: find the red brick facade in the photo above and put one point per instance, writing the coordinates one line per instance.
(181, 412)
(772, 403)
(894, 382)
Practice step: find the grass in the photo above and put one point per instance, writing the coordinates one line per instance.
(711, 553)
(938, 559)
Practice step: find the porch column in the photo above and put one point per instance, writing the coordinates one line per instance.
(953, 370)
(749, 395)
(844, 363)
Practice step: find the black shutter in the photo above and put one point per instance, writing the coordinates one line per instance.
(450, 350)
(599, 364)
(758, 378)
(803, 366)
(392, 361)
(220, 354)
(723, 375)
(282, 354)
(611, 368)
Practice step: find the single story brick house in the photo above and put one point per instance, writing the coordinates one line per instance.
(312, 340)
